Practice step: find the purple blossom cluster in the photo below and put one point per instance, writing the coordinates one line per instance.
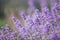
(6, 33)
(41, 25)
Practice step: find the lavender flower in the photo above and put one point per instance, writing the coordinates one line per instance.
(52, 2)
(41, 25)
(43, 4)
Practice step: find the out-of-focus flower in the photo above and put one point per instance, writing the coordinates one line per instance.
(41, 25)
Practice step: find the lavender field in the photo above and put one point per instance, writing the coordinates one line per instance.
(40, 20)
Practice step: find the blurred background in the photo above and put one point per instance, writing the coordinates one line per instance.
(7, 4)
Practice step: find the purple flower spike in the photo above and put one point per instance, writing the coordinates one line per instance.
(23, 14)
(52, 2)
(40, 25)
(43, 3)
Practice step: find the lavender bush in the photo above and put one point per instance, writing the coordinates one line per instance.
(41, 25)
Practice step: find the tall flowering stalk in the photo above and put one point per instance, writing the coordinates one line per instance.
(41, 25)
(43, 4)
(31, 6)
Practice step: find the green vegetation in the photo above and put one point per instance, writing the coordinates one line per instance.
(2, 22)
